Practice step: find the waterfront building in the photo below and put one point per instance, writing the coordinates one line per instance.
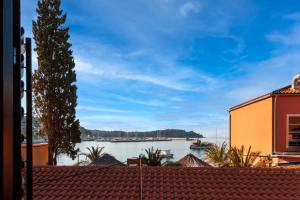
(39, 153)
(269, 123)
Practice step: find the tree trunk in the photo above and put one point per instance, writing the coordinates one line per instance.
(50, 156)
(55, 161)
(55, 157)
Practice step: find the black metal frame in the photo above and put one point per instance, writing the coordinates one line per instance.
(28, 120)
(18, 191)
(1, 93)
(11, 180)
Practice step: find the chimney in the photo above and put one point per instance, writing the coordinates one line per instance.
(296, 82)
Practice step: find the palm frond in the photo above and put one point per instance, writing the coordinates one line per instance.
(153, 158)
(217, 155)
(95, 153)
(239, 158)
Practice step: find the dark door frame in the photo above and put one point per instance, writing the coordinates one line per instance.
(10, 109)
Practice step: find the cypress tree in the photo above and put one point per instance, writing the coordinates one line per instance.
(54, 88)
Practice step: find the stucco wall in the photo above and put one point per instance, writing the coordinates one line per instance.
(285, 105)
(251, 125)
(39, 154)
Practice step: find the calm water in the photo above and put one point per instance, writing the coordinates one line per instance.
(125, 150)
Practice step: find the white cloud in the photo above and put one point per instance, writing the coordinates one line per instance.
(124, 36)
(136, 53)
(290, 38)
(265, 76)
(173, 79)
(119, 73)
(83, 66)
(117, 122)
(177, 99)
(270, 74)
(292, 16)
(246, 92)
(141, 102)
(97, 109)
(189, 7)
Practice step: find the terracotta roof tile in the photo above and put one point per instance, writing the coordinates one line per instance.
(192, 161)
(94, 182)
(107, 160)
(287, 90)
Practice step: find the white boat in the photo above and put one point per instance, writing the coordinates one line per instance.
(166, 153)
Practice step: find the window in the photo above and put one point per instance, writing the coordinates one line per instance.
(293, 131)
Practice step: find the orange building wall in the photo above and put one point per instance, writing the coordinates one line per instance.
(39, 154)
(285, 105)
(251, 125)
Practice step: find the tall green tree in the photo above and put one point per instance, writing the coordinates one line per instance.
(54, 80)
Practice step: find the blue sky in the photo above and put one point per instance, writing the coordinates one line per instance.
(144, 65)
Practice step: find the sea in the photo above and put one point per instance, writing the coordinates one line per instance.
(124, 150)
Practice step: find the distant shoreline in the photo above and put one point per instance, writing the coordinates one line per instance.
(166, 133)
(147, 139)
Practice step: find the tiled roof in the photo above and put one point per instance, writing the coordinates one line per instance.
(287, 90)
(93, 182)
(106, 160)
(192, 161)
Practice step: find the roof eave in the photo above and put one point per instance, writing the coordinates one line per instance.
(260, 98)
(263, 97)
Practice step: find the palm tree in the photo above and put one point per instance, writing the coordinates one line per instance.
(217, 155)
(153, 158)
(95, 153)
(238, 157)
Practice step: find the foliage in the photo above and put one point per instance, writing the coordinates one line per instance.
(217, 155)
(153, 158)
(54, 90)
(221, 156)
(95, 153)
(239, 158)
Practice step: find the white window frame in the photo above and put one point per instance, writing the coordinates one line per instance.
(287, 128)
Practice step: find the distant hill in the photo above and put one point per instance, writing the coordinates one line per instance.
(169, 133)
